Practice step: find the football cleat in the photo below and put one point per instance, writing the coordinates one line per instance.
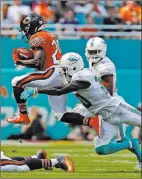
(41, 154)
(139, 166)
(97, 123)
(21, 119)
(65, 164)
(136, 149)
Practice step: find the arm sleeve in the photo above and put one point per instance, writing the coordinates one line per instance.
(73, 86)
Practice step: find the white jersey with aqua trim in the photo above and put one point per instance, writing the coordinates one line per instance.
(104, 67)
(95, 98)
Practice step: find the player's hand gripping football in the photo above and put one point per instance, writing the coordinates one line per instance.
(28, 92)
(24, 57)
(15, 55)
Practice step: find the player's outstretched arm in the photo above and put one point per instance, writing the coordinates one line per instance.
(73, 86)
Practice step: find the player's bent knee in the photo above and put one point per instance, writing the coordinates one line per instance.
(102, 150)
(16, 79)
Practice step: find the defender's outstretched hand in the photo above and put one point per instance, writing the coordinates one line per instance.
(27, 93)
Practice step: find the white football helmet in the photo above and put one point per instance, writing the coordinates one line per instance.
(71, 63)
(95, 49)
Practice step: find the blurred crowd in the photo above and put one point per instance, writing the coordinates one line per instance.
(74, 12)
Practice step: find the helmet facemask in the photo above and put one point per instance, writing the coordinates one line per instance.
(66, 74)
(94, 55)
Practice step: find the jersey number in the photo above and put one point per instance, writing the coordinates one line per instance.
(54, 56)
(85, 102)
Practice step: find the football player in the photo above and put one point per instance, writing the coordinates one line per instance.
(38, 161)
(46, 53)
(98, 101)
(104, 68)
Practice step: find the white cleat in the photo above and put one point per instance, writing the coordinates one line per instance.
(139, 166)
(2, 153)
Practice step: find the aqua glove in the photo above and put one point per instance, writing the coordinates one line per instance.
(28, 92)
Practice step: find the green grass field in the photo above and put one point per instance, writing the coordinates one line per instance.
(87, 163)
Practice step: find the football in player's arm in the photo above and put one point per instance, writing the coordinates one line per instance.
(28, 57)
(44, 53)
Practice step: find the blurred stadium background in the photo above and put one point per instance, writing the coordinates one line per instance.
(118, 22)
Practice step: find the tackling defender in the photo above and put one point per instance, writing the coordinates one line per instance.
(98, 101)
(105, 70)
(38, 161)
(46, 53)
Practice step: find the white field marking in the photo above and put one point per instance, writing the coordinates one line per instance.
(60, 154)
(113, 155)
(48, 143)
(116, 161)
(90, 155)
(74, 151)
(100, 169)
(66, 154)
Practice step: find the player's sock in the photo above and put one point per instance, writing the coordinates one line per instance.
(54, 162)
(113, 147)
(123, 139)
(21, 103)
(35, 164)
(75, 118)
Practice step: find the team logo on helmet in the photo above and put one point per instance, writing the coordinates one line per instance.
(73, 59)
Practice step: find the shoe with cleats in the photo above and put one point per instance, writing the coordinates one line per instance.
(136, 148)
(65, 164)
(41, 154)
(20, 119)
(97, 123)
(139, 166)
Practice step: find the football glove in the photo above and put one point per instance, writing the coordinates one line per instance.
(28, 92)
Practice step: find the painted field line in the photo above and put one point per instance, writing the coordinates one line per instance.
(43, 143)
